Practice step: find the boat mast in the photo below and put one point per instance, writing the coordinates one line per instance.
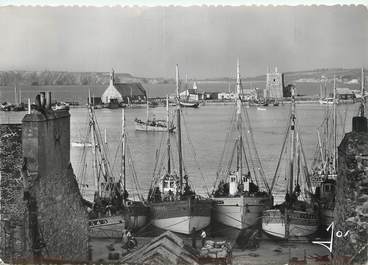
(238, 120)
(93, 142)
(123, 173)
(168, 136)
(292, 141)
(147, 109)
(335, 127)
(179, 130)
(15, 95)
(362, 93)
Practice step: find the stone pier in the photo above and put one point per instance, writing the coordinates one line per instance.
(351, 210)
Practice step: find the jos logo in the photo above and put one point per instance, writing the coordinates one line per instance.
(338, 234)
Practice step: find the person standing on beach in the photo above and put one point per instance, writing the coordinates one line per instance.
(203, 236)
(194, 238)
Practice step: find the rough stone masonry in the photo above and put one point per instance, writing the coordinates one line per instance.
(351, 210)
(56, 221)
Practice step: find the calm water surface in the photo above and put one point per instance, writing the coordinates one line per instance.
(207, 127)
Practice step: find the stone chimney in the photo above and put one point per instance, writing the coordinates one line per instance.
(57, 218)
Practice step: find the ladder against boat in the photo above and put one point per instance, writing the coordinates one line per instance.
(181, 216)
(240, 212)
(300, 223)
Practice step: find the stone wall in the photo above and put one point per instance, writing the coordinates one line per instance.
(57, 217)
(351, 210)
(12, 206)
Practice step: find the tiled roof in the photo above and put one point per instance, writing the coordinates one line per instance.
(167, 248)
(128, 89)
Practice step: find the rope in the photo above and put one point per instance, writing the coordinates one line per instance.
(195, 155)
(256, 155)
(275, 177)
(220, 168)
(134, 174)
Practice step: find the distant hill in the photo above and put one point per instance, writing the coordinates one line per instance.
(47, 78)
(305, 76)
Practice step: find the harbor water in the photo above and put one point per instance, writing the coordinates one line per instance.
(204, 132)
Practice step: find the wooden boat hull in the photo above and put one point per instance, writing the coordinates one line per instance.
(327, 216)
(301, 224)
(81, 144)
(150, 128)
(181, 216)
(107, 227)
(136, 215)
(240, 212)
(189, 104)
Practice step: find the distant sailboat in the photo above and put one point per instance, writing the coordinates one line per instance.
(296, 216)
(174, 205)
(187, 103)
(153, 125)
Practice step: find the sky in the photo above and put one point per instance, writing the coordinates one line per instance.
(204, 41)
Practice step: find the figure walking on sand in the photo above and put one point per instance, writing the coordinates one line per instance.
(203, 236)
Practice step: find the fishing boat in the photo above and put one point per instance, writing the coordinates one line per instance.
(61, 106)
(296, 216)
(327, 101)
(240, 201)
(81, 144)
(111, 200)
(189, 104)
(324, 167)
(174, 204)
(153, 125)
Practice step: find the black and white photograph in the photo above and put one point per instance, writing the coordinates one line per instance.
(173, 133)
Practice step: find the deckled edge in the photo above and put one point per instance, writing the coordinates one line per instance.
(183, 6)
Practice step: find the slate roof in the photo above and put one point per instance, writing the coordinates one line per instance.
(167, 248)
(128, 89)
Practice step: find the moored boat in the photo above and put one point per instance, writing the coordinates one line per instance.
(81, 144)
(111, 201)
(153, 125)
(106, 227)
(174, 205)
(61, 106)
(296, 216)
(239, 199)
(189, 104)
(289, 224)
(324, 166)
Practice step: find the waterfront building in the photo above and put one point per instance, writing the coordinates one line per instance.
(226, 95)
(274, 85)
(192, 94)
(345, 94)
(123, 92)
